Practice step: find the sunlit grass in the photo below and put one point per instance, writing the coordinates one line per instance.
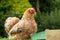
(4, 39)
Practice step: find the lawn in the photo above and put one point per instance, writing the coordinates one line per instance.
(4, 39)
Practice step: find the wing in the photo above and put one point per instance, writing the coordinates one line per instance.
(16, 28)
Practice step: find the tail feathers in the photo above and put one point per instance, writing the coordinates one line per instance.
(10, 22)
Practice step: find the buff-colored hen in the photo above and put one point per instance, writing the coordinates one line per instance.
(25, 27)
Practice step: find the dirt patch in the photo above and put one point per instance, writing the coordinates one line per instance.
(52, 34)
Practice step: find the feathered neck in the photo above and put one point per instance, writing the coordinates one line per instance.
(28, 15)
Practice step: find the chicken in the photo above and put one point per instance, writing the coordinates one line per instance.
(10, 22)
(25, 27)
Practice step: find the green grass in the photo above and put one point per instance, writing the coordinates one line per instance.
(4, 39)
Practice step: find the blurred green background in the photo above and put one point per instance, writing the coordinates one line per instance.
(47, 12)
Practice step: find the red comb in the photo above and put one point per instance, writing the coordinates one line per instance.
(32, 10)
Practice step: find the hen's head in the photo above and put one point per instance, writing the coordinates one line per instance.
(30, 10)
